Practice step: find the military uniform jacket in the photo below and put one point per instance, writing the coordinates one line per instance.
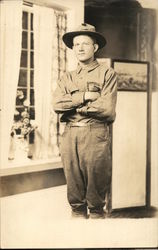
(94, 77)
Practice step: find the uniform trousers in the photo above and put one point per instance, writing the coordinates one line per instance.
(86, 157)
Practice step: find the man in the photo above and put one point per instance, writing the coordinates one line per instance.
(86, 98)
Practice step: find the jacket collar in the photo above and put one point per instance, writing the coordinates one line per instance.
(88, 68)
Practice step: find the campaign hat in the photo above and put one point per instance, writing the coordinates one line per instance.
(84, 29)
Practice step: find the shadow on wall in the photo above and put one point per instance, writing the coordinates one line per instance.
(117, 21)
(130, 30)
(115, 3)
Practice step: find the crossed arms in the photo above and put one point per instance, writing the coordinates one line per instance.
(95, 104)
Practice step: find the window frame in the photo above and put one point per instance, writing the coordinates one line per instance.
(29, 69)
(25, 110)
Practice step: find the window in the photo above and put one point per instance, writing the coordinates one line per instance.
(30, 147)
(23, 126)
(33, 100)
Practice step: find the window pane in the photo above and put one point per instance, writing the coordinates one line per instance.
(32, 113)
(20, 96)
(24, 39)
(22, 78)
(32, 78)
(17, 116)
(32, 59)
(23, 59)
(32, 97)
(31, 21)
(32, 45)
(25, 20)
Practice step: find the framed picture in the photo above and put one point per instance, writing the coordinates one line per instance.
(132, 75)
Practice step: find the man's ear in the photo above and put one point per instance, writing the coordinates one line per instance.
(96, 47)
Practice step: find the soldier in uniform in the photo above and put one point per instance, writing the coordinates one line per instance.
(86, 98)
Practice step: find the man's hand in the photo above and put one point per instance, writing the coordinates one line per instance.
(91, 96)
(82, 110)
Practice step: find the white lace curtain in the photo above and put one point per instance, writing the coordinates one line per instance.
(10, 51)
(59, 63)
(49, 63)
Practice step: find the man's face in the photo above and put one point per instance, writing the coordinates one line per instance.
(84, 48)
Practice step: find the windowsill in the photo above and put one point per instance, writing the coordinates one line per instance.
(32, 166)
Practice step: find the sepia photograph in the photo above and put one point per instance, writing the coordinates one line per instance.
(79, 124)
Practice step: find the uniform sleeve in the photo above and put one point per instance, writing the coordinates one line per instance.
(104, 107)
(64, 100)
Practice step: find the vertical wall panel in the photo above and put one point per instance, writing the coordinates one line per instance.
(129, 150)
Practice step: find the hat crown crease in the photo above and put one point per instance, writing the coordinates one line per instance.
(86, 27)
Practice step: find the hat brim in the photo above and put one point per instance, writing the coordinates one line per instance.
(68, 38)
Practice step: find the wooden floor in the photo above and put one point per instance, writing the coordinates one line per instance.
(42, 219)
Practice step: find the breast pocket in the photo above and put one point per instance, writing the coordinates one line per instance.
(93, 86)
